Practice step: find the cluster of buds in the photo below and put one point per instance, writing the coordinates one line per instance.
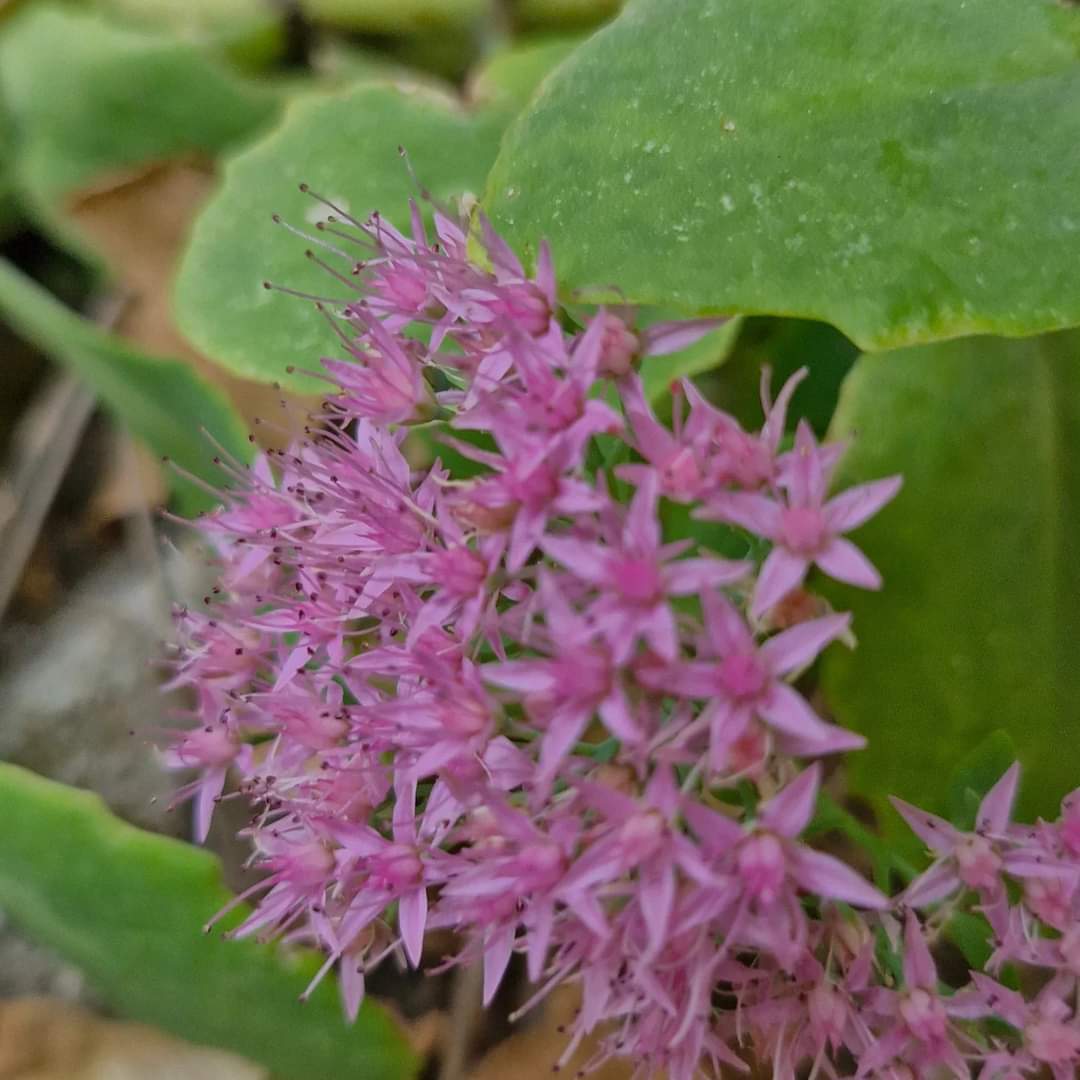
(522, 703)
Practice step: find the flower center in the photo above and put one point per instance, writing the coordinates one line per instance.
(398, 865)
(637, 579)
(1052, 1042)
(924, 1016)
(762, 867)
(742, 675)
(803, 529)
(976, 861)
(460, 571)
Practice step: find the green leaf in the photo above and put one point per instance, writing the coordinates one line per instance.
(346, 147)
(90, 99)
(976, 774)
(395, 16)
(163, 402)
(972, 935)
(562, 14)
(127, 907)
(511, 75)
(888, 167)
(249, 30)
(976, 627)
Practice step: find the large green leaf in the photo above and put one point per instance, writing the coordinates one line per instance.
(90, 99)
(250, 30)
(128, 907)
(977, 625)
(346, 146)
(395, 16)
(908, 170)
(163, 402)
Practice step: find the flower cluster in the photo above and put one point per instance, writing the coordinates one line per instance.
(519, 701)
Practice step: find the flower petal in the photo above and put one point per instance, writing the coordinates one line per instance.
(412, 917)
(799, 646)
(790, 810)
(828, 877)
(935, 832)
(996, 807)
(851, 508)
(781, 572)
(843, 561)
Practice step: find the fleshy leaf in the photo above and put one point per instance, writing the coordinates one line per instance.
(887, 168)
(346, 147)
(395, 16)
(250, 30)
(976, 627)
(127, 907)
(513, 73)
(163, 402)
(90, 99)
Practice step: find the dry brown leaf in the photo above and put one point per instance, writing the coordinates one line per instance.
(132, 481)
(139, 224)
(44, 1039)
(530, 1053)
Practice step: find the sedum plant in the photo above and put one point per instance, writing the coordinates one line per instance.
(514, 701)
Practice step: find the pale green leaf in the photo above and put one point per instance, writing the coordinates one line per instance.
(127, 907)
(976, 627)
(908, 170)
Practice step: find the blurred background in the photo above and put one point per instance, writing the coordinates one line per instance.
(115, 119)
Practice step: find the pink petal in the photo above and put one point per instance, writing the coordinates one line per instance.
(830, 878)
(717, 832)
(617, 717)
(776, 415)
(725, 626)
(538, 938)
(412, 917)
(781, 572)
(755, 513)
(564, 729)
(668, 337)
(919, 969)
(843, 561)
(785, 709)
(932, 885)
(850, 509)
(588, 561)
(545, 272)
(656, 896)
(936, 833)
(642, 529)
(351, 981)
(799, 646)
(497, 950)
(806, 476)
(209, 788)
(790, 810)
(830, 739)
(996, 807)
(525, 676)
(689, 576)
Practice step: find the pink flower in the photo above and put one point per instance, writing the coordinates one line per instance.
(805, 529)
(637, 575)
(744, 682)
(980, 859)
